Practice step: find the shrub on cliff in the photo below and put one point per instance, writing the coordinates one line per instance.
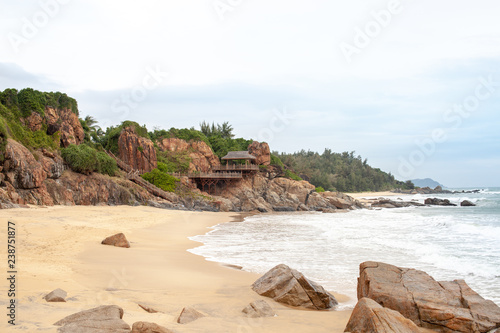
(161, 179)
(3, 138)
(85, 159)
(110, 139)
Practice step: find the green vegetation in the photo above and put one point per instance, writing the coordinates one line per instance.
(343, 172)
(319, 189)
(292, 175)
(172, 161)
(186, 134)
(161, 179)
(3, 138)
(85, 159)
(275, 160)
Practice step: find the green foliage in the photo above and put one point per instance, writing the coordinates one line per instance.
(109, 139)
(31, 100)
(186, 134)
(3, 138)
(161, 179)
(85, 159)
(225, 130)
(275, 160)
(8, 97)
(171, 161)
(340, 171)
(292, 175)
(319, 189)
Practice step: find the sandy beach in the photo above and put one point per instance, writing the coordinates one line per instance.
(59, 247)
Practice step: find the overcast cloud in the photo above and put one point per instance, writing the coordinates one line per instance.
(416, 91)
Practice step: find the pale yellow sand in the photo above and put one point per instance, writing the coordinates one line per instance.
(59, 247)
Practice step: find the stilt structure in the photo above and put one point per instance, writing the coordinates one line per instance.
(239, 165)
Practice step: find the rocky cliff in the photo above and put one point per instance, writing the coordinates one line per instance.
(261, 152)
(202, 158)
(138, 152)
(62, 120)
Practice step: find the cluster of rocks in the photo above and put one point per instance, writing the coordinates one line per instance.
(436, 190)
(391, 297)
(388, 203)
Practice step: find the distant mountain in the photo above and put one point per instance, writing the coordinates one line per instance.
(427, 182)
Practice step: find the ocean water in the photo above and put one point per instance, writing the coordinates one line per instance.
(446, 242)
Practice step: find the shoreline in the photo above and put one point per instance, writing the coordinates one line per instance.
(59, 247)
(361, 195)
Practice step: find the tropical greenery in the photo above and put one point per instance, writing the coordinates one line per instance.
(161, 179)
(85, 159)
(340, 171)
(109, 139)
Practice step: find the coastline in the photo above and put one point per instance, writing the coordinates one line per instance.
(361, 195)
(59, 247)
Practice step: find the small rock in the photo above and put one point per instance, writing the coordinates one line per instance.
(145, 327)
(106, 318)
(369, 316)
(117, 240)
(258, 309)
(188, 315)
(147, 309)
(288, 286)
(57, 295)
(467, 203)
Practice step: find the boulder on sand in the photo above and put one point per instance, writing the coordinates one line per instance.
(117, 240)
(188, 315)
(145, 327)
(106, 318)
(450, 306)
(57, 295)
(290, 287)
(258, 309)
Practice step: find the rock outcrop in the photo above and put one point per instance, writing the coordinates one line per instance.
(264, 194)
(106, 318)
(118, 240)
(438, 202)
(20, 167)
(136, 151)
(442, 306)
(387, 203)
(258, 309)
(261, 152)
(369, 316)
(66, 122)
(290, 287)
(201, 155)
(57, 295)
(467, 203)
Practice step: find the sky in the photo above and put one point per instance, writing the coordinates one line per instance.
(413, 86)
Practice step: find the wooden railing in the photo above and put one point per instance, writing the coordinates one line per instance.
(221, 175)
(236, 167)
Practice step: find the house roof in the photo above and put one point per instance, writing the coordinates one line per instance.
(239, 155)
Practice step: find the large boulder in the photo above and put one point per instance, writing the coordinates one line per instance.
(443, 306)
(66, 122)
(21, 168)
(370, 317)
(106, 318)
(138, 152)
(467, 203)
(201, 156)
(288, 286)
(261, 152)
